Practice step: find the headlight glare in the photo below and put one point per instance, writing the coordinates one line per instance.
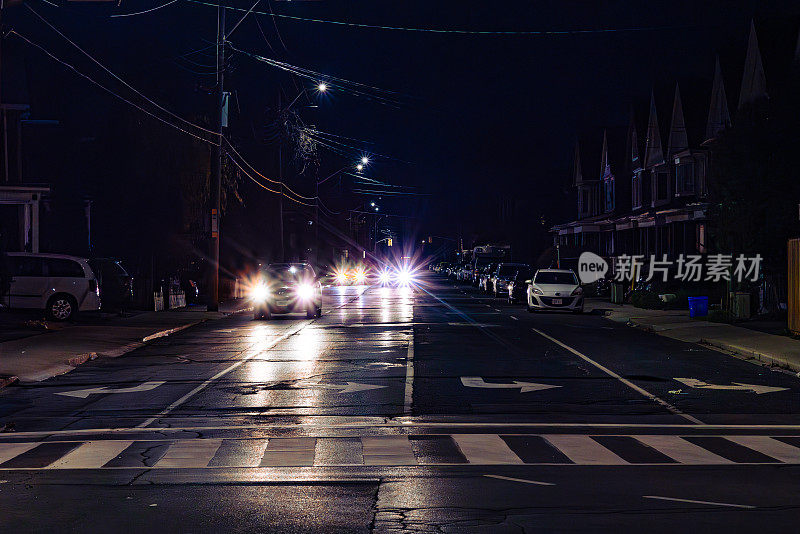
(259, 293)
(305, 291)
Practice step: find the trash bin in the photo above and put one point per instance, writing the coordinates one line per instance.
(698, 306)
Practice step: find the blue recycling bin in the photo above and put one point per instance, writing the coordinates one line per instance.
(698, 306)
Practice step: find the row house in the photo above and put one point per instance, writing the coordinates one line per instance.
(644, 190)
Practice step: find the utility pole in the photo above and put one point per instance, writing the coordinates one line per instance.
(216, 167)
(280, 176)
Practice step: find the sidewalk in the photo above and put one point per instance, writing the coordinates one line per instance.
(51, 353)
(771, 349)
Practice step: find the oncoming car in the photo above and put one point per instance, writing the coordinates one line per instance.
(286, 288)
(555, 289)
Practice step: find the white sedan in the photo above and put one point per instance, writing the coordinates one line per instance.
(555, 289)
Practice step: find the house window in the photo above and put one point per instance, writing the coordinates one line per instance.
(660, 187)
(636, 190)
(684, 178)
(609, 195)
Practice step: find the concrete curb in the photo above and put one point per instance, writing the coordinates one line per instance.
(71, 363)
(769, 359)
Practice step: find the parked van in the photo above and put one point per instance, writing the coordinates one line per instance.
(61, 285)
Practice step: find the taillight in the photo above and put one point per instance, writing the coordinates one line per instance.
(93, 286)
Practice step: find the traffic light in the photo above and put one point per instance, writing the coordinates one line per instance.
(430, 239)
(389, 242)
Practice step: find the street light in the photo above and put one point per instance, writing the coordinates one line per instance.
(359, 167)
(372, 204)
(364, 160)
(322, 87)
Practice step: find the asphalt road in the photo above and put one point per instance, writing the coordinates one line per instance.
(430, 409)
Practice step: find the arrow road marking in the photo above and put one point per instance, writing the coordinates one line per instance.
(83, 393)
(524, 387)
(737, 386)
(350, 387)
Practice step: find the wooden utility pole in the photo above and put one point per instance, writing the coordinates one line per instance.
(216, 167)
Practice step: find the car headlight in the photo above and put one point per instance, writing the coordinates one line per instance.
(360, 277)
(305, 291)
(536, 291)
(578, 291)
(259, 293)
(384, 277)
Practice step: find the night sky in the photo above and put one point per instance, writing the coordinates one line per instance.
(479, 115)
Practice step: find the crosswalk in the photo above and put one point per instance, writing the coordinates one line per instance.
(403, 450)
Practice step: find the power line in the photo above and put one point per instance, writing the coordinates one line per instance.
(156, 8)
(103, 87)
(123, 82)
(543, 33)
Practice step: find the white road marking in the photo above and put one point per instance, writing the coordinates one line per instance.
(408, 398)
(495, 309)
(204, 385)
(289, 452)
(513, 317)
(189, 453)
(83, 393)
(485, 449)
(682, 451)
(736, 386)
(625, 381)
(348, 422)
(12, 450)
(523, 480)
(91, 455)
(710, 503)
(387, 450)
(583, 450)
(771, 447)
(524, 387)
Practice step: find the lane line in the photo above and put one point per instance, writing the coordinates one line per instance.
(665, 404)
(409, 392)
(254, 352)
(406, 424)
(710, 503)
(523, 480)
(189, 453)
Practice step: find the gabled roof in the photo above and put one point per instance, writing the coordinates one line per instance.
(678, 137)
(754, 81)
(586, 158)
(636, 134)
(653, 150)
(614, 153)
(719, 117)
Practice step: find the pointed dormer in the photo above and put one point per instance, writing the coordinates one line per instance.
(754, 82)
(577, 172)
(653, 152)
(719, 118)
(604, 166)
(633, 143)
(678, 140)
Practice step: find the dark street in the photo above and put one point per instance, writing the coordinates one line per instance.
(403, 408)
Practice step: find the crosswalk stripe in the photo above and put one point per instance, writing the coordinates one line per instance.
(190, 453)
(338, 451)
(485, 449)
(769, 446)
(387, 450)
(583, 450)
(285, 452)
(11, 450)
(91, 455)
(681, 450)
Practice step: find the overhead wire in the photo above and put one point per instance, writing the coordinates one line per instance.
(103, 87)
(116, 77)
(156, 8)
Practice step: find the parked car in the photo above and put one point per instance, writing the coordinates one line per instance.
(58, 284)
(555, 289)
(502, 275)
(116, 285)
(287, 288)
(517, 286)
